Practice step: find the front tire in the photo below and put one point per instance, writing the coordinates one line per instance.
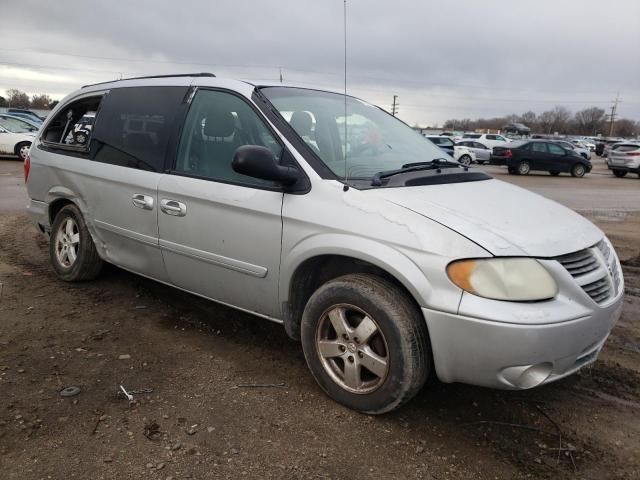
(71, 248)
(365, 343)
(578, 170)
(465, 160)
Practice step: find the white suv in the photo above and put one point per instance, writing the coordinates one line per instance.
(488, 139)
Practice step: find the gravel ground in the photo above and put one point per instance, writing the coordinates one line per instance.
(205, 417)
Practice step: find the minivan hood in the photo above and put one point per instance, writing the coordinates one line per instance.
(500, 217)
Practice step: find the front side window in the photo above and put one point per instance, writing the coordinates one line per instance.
(491, 137)
(539, 147)
(68, 129)
(217, 124)
(134, 125)
(555, 149)
(375, 141)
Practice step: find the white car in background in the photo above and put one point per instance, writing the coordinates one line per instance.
(580, 150)
(482, 152)
(487, 139)
(464, 155)
(15, 139)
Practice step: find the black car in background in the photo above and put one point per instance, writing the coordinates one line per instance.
(523, 156)
(445, 143)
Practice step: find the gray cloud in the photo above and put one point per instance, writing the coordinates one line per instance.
(461, 59)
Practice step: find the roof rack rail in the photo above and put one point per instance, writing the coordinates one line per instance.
(200, 74)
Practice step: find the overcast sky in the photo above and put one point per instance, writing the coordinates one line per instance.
(444, 59)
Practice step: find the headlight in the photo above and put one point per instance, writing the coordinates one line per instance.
(512, 279)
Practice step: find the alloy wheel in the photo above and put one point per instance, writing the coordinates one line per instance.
(352, 349)
(67, 242)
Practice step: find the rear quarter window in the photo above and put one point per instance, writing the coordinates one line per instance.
(135, 124)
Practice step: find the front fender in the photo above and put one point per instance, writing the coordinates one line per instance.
(393, 261)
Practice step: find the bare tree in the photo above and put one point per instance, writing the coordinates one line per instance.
(40, 101)
(560, 116)
(625, 127)
(3, 101)
(17, 98)
(590, 120)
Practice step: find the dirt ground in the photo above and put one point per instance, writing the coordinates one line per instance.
(206, 418)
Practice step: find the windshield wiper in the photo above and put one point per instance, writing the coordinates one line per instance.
(435, 164)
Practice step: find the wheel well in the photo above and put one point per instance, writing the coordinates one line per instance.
(315, 272)
(56, 206)
(16, 149)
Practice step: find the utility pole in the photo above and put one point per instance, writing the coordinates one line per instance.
(614, 109)
(395, 107)
(280, 74)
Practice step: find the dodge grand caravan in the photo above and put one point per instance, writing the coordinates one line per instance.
(332, 218)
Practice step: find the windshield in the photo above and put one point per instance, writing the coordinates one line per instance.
(376, 141)
(15, 125)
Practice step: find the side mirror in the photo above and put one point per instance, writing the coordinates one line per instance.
(260, 162)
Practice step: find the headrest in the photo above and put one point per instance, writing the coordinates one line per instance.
(301, 122)
(220, 125)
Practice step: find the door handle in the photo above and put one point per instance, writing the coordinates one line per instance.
(173, 207)
(144, 202)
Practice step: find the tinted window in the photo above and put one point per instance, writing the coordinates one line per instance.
(539, 147)
(134, 125)
(555, 149)
(491, 137)
(471, 135)
(628, 148)
(478, 145)
(218, 123)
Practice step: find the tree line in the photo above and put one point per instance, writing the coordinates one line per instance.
(590, 121)
(18, 99)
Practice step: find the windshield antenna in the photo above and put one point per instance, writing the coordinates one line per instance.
(346, 170)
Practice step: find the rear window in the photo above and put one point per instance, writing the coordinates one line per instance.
(627, 148)
(471, 135)
(66, 130)
(134, 126)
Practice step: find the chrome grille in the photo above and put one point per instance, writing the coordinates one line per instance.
(596, 270)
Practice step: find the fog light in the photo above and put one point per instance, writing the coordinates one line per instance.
(527, 376)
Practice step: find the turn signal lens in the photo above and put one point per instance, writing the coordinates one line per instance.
(510, 279)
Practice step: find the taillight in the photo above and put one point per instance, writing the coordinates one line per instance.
(27, 167)
(633, 154)
(508, 154)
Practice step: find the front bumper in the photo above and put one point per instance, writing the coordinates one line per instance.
(511, 345)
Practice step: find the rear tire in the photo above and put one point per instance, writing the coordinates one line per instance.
(620, 173)
(524, 167)
(71, 249)
(22, 150)
(578, 170)
(396, 346)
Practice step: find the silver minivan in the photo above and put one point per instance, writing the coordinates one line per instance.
(387, 259)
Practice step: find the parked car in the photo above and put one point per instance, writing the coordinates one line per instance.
(25, 114)
(624, 158)
(462, 154)
(588, 143)
(18, 123)
(15, 137)
(612, 145)
(583, 152)
(481, 151)
(524, 156)
(389, 264)
(444, 142)
(488, 139)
